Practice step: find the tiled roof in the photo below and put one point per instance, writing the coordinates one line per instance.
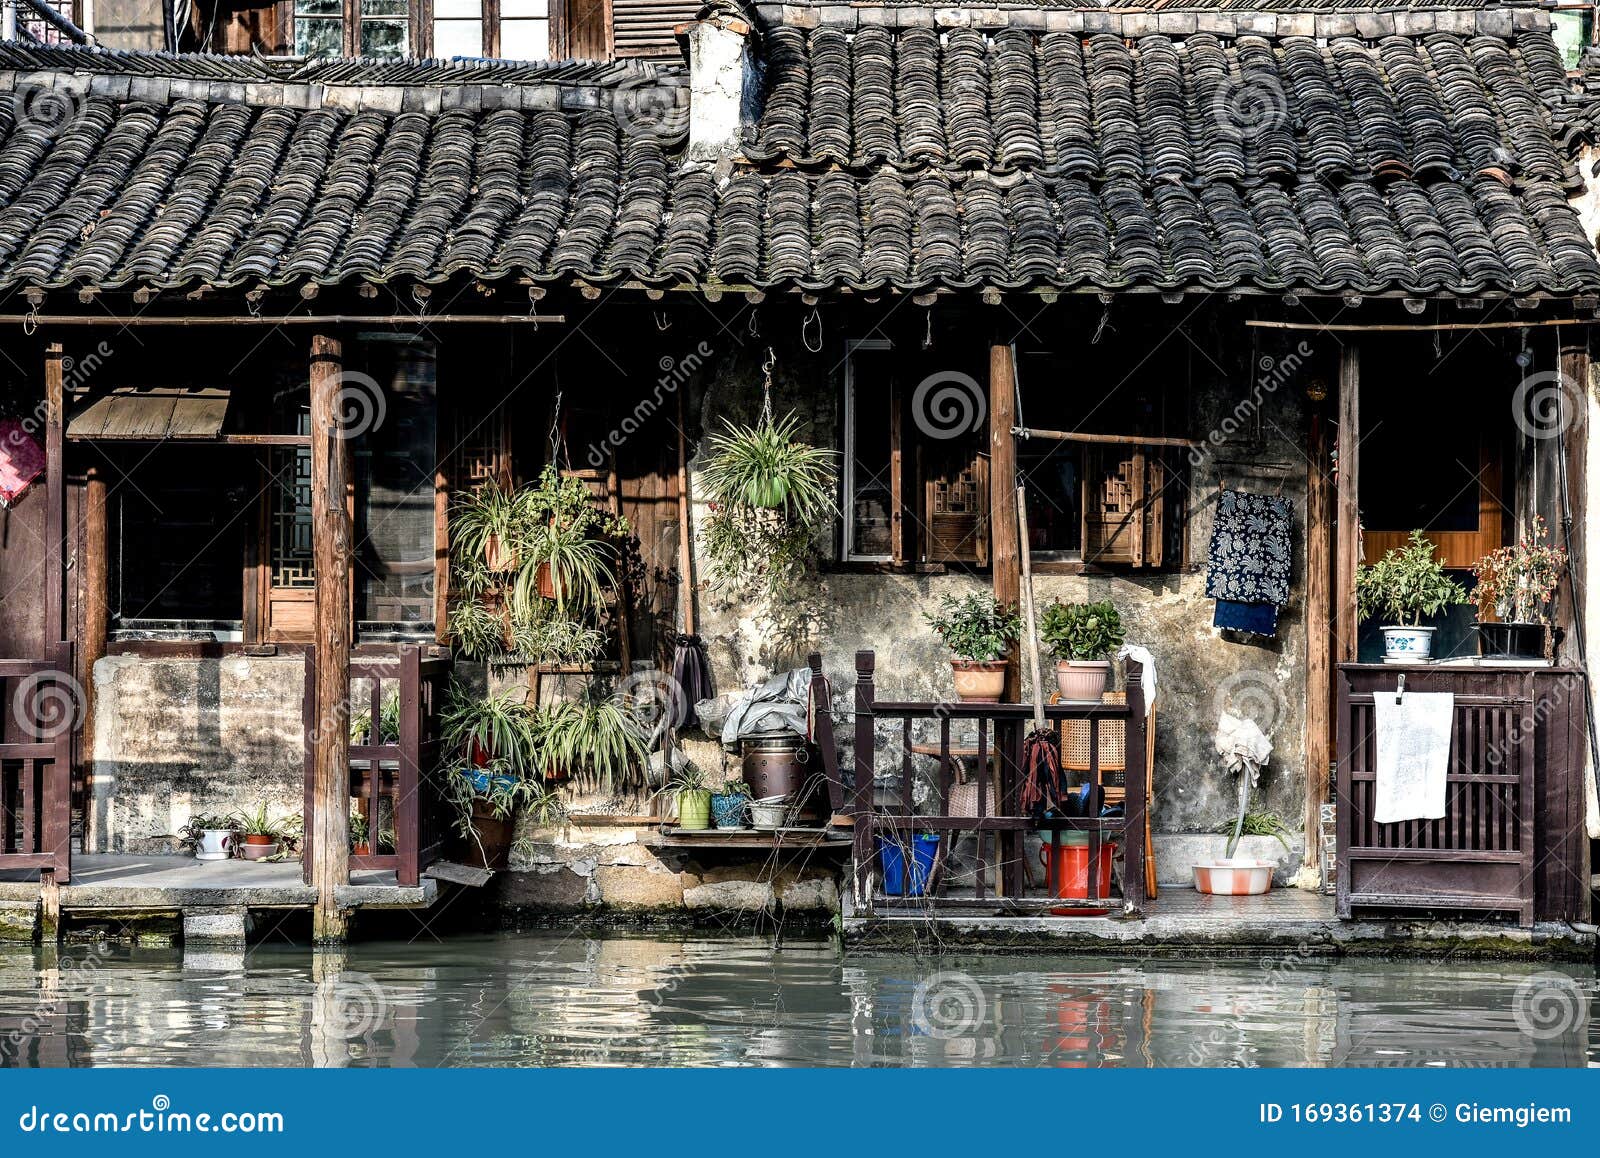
(1009, 158)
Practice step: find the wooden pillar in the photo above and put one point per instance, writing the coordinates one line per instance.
(1319, 634)
(1004, 559)
(55, 495)
(1573, 515)
(1346, 619)
(329, 825)
(96, 624)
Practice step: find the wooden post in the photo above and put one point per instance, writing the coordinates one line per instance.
(1134, 803)
(1346, 620)
(96, 624)
(1319, 635)
(1004, 560)
(55, 484)
(865, 757)
(329, 824)
(1573, 508)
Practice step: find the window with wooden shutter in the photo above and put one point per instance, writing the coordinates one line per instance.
(644, 27)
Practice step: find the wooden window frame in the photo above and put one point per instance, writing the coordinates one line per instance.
(420, 19)
(896, 555)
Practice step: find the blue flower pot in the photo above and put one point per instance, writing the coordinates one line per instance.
(483, 781)
(892, 855)
(729, 811)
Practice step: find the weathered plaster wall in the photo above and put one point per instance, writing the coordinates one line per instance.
(1259, 447)
(178, 737)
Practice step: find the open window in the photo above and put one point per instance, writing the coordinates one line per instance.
(1105, 464)
(209, 503)
(915, 471)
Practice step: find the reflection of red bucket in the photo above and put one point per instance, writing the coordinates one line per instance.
(1066, 869)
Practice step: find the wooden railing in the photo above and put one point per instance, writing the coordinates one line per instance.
(390, 781)
(1511, 839)
(43, 707)
(994, 736)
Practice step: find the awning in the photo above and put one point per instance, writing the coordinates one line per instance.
(145, 414)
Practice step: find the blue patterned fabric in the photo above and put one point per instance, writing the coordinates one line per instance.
(1250, 550)
(1258, 618)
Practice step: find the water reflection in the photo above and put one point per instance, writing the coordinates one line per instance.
(567, 1000)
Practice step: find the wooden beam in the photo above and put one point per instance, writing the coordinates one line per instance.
(1004, 560)
(1107, 439)
(96, 625)
(329, 824)
(1573, 512)
(1319, 635)
(1348, 557)
(55, 485)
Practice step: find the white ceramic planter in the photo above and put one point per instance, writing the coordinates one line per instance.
(215, 844)
(1082, 680)
(1407, 644)
(1239, 877)
(770, 813)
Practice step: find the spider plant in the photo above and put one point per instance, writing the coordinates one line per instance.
(595, 741)
(579, 573)
(483, 525)
(478, 630)
(767, 466)
(552, 639)
(496, 727)
(260, 822)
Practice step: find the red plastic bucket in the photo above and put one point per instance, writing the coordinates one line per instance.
(1066, 869)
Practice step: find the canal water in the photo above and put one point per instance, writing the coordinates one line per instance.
(563, 999)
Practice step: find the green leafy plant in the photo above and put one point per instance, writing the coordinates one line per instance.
(260, 822)
(976, 628)
(766, 465)
(497, 792)
(1253, 823)
(388, 722)
(769, 495)
(501, 727)
(1081, 631)
(733, 788)
(595, 741)
(1516, 583)
(189, 835)
(1407, 585)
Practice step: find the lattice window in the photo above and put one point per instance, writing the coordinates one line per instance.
(289, 517)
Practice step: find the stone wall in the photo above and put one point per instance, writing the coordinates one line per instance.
(177, 737)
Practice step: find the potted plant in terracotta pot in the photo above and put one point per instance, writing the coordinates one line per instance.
(1514, 588)
(1083, 636)
(261, 832)
(979, 630)
(485, 802)
(1402, 589)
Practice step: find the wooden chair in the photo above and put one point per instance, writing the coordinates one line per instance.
(1074, 737)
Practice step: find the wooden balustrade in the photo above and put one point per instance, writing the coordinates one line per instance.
(995, 734)
(43, 708)
(391, 769)
(1511, 839)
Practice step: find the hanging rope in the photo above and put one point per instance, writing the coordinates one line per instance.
(663, 321)
(754, 325)
(766, 386)
(805, 330)
(1105, 324)
(555, 431)
(927, 337)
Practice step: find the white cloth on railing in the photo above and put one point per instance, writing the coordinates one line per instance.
(1413, 742)
(1142, 656)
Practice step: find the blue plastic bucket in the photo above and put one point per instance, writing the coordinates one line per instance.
(891, 853)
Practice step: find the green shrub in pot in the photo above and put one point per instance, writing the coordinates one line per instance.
(1083, 637)
(979, 631)
(1402, 589)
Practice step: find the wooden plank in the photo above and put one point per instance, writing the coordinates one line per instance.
(1319, 637)
(55, 495)
(1004, 562)
(328, 824)
(1346, 621)
(96, 625)
(407, 814)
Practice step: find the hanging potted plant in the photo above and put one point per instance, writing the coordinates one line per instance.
(486, 729)
(482, 526)
(769, 495)
(1083, 637)
(979, 631)
(1403, 588)
(1514, 587)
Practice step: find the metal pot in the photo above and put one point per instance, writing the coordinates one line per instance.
(786, 764)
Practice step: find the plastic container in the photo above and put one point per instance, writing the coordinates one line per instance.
(891, 853)
(1234, 878)
(1066, 865)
